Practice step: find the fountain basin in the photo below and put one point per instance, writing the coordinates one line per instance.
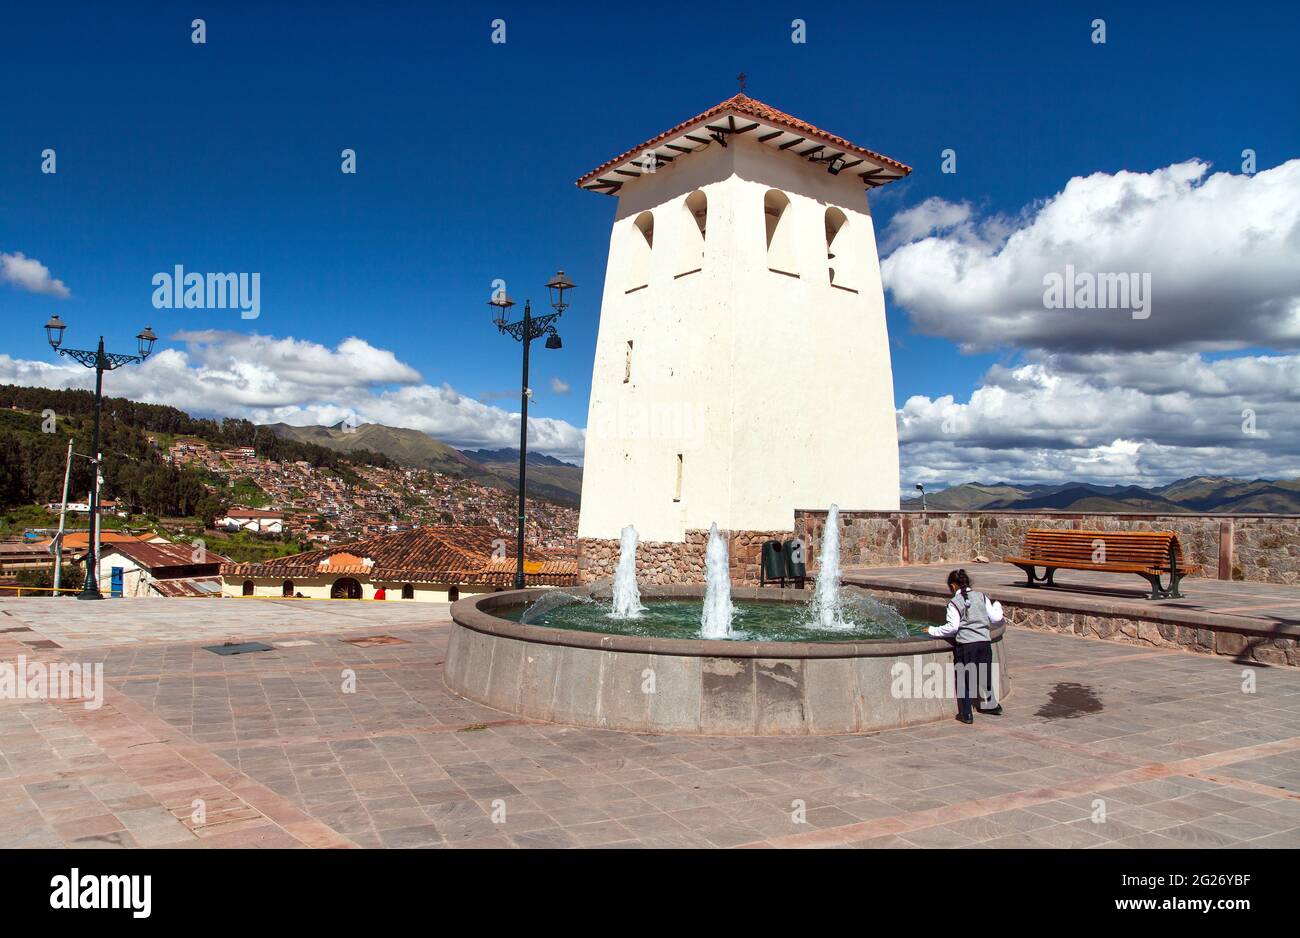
(717, 687)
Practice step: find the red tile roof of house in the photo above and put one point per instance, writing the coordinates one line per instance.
(778, 125)
(80, 540)
(203, 587)
(440, 554)
(160, 556)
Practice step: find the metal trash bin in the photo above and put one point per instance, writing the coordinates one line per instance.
(773, 563)
(795, 567)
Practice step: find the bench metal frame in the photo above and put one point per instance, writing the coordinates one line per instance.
(1158, 590)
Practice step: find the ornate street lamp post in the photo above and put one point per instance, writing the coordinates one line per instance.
(524, 331)
(101, 361)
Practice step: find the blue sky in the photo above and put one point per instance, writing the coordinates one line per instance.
(225, 156)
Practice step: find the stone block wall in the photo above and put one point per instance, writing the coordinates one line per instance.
(1241, 645)
(1263, 548)
(665, 563)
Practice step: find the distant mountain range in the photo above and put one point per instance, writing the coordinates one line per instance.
(508, 455)
(1193, 495)
(548, 477)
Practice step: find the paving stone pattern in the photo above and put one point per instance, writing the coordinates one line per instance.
(276, 754)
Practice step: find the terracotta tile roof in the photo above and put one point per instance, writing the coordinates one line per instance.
(79, 540)
(160, 556)
(252, 513)
(208, 587)
(745, 106)
(439, 554)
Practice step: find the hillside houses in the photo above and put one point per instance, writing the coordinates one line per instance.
(252, 519)
(318, 504)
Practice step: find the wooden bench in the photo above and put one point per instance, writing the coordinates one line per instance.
(1149, 554)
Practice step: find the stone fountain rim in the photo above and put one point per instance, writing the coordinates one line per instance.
(472, 612)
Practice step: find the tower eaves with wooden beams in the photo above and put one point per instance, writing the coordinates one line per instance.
(742, 115)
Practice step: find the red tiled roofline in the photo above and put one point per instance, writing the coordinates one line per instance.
(422, 555)
(453, 577)
(749, 107)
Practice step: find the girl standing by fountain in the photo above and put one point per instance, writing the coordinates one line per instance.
(969, 616)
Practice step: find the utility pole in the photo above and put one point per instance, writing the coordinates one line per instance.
(63, 511)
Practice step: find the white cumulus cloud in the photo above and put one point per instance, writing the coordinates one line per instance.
(1137, 418)
(1222, 251)
(268, 379)
(27, 273)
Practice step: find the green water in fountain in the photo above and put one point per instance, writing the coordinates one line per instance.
(751, 621)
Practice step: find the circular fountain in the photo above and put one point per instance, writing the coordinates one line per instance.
(709, 658)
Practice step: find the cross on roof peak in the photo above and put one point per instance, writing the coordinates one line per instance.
(742, 78)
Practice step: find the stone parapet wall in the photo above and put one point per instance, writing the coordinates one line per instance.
(1245, 644)
(1263, 548)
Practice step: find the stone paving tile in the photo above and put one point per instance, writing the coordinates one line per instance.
(130, 623)
(884, 842)
(1179, 756)
(1288, 840)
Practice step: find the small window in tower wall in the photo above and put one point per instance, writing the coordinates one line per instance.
(627, 363)
(677, 492)
(841, 260)
(641, 240)
(781, 255)
(694, 226)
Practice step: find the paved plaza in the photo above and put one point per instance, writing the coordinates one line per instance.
(1102, 745)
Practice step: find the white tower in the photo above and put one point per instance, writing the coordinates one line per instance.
(742, 365)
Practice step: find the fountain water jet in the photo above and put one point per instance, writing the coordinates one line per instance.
(825, 609)
(861, 607)
(715, 618)
(626, 601)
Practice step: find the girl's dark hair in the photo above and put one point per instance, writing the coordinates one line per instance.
(960, 579)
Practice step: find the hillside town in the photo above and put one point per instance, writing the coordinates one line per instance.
(313, 504)
(277, 506)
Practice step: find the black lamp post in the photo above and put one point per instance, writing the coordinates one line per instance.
(524, 331)
(101, 361)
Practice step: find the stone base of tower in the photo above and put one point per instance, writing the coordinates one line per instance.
(673, 562)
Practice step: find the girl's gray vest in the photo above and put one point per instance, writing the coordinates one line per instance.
(973, 609)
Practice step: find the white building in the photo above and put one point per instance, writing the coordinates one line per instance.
(252, 519)
(138, 568)
(742, 365)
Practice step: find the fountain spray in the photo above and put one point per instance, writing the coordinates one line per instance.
(715, 619)
(825, 606)
(626, 597)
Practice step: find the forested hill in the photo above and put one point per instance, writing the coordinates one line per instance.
(32, 461)
(158, 418)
